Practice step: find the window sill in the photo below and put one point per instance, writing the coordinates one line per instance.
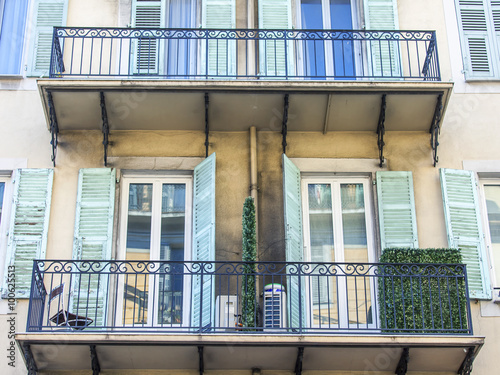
(11, 76)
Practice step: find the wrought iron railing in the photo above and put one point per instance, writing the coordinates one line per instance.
(278, 297)
(244, 54)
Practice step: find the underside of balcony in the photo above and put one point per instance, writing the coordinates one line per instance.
(295, 353)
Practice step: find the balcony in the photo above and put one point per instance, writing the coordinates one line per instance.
(224, 315)
(319, 80)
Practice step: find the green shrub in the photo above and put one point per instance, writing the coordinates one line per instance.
(248, 295)
(418, 297)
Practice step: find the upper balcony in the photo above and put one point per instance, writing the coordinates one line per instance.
(227, 315)
(184, 79)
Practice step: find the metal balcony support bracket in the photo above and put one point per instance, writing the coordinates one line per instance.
(30, 361)
(435, 127)
(403, 362)
(381, 130)
(96, 367)
(201, 362)
(298, 362)
(466, 367)
(284, 126)
(105, 129)
(207, 101)
(54, 128)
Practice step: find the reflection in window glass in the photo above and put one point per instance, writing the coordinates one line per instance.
(492, 194)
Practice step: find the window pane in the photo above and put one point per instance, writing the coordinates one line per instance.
(138, 248)
(323, 288)
(492, 193)
(172, 248)
(343, 51)
(312, 19)
(2, 189)
(356, 251)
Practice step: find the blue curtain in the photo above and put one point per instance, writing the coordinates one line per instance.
(181, 53)
(12, 35)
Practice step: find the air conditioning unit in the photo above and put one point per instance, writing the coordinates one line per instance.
(274, 306)
(225, 312)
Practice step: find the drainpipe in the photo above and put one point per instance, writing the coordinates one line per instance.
(253, 179)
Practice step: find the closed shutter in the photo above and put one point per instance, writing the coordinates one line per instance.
(463, 225)
(203, 287)
(220, 59)
(29, 224)
(48, 13)
(293, 242)
(147, 59)
(384, 56)
(93, 240)
(275, 54)
(12, 25)
(396, 206)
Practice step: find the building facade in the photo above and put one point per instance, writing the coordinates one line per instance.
(133, 130)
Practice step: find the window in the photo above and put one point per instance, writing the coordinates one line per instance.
(479, 25)
(12, 28)
(338, 228)
(156, 218)
(330, 219)
(47, 14)
(491, 215)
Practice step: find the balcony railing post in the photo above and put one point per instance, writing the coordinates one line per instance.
(299, 270)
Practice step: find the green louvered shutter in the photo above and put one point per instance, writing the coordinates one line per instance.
(48, 13)
(220, 59)
(463, 225)
(148, 54)
(203, 287)
(275, 14)
(93, 239)
(293, 241)
(396, 206)
(384, 56)
(29, 224)
(477, 37)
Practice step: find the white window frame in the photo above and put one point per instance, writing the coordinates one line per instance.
(5, 219)
(157, 180)
(335, 182)
(486, 227)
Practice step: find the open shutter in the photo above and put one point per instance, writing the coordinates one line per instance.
(396, 206)
(293, 241)
(12, 25)
(384, 56)
(48, 13)
(203, 287)
(275, 54)
(463, 225)
(93, 239)
(220, 59)
(147, 58)
(29, 224)
(477, 37)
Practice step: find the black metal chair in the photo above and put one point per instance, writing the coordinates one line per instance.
(64, 318)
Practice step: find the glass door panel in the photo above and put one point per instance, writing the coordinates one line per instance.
(343, 51)
(314, 50)
(139, 220)
(492, 194)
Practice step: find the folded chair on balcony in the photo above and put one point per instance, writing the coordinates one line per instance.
(64, 318)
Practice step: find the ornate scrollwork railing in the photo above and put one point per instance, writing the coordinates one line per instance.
(301, 297)
(244, 53)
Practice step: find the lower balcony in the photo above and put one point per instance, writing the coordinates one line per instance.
(117, 315)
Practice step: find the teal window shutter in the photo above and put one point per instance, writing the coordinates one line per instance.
(478, 36)
(396, 207)
(148, 54)
(93, 240)
(275, 14)
(220, 60)
(48, 13)
(463, 225)
(292, 203)
(203, 287)
(385, 59)
(29, 224)
(12, 25)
